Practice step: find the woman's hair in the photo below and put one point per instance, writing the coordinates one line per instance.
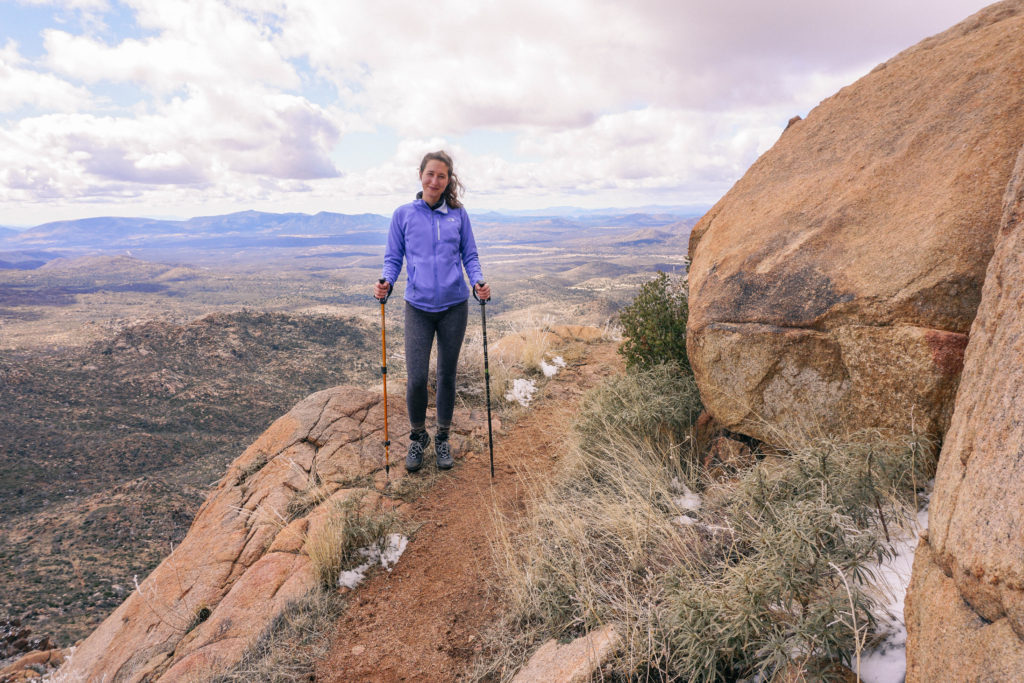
(455, 188)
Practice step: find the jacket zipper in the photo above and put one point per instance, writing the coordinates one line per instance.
(437, 223)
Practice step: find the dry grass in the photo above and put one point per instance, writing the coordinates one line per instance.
(470, 384)
(289, 648)
(334, 547)
(535, 348)
(770, 575)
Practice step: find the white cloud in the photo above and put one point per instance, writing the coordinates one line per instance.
(198, 43)
(21, 86)
(208, 139)
(448, 67)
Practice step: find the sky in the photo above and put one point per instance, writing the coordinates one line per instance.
(173, 109)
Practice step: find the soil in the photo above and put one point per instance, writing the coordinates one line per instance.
(422, 622)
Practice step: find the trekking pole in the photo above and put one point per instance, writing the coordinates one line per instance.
(487, 375)
(384, 375)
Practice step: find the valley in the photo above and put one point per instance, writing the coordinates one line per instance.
(132, 371)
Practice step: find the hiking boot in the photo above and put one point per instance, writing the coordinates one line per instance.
(414, 458)
(445, 461)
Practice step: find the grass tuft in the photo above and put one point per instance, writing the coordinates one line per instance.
(334, 547)
(289, 648)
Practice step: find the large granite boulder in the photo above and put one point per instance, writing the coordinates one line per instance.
(834, 285)
(965, 604)
(244, 558)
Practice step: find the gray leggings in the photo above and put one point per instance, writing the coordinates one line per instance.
(420, 327)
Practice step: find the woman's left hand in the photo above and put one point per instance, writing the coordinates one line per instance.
(483, 291)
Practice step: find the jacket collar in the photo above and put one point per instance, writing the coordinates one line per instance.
(442, 207)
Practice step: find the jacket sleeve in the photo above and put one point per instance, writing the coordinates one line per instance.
(394, 252)
(470, 259)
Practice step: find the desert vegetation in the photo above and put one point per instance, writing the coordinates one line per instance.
(762, 567)
(654, 323)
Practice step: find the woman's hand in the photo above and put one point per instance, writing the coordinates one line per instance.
(381, 289)
(483, 291)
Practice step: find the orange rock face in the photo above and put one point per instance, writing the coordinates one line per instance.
(244, 559)
(965, 604)
(834, 285)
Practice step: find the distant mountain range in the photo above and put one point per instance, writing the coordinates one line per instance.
(687, 211)
(248, 228)
(258, 231)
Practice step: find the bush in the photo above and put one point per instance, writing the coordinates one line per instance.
(787, 580)
(654, 325)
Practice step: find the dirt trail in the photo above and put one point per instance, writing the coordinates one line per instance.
(422, 622)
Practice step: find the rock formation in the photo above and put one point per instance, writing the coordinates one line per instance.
(244, 557)
(965, 604)
(834, 285)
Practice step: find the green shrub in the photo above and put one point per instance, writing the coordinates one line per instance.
(787, 580)
(654, 325)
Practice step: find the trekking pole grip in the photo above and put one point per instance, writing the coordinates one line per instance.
(483, 302)
(388, 295)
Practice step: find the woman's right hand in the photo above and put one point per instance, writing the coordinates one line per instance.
(381, 289)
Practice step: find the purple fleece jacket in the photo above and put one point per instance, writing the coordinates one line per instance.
(435, 244)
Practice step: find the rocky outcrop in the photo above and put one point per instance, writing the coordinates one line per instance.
(834, 285)
(965, 604)
(244, 557)
(32, 666)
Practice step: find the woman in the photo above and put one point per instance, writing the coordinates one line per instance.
(434, 238)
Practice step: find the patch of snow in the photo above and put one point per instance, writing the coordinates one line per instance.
(386, 552)
(557, 363)
(395, 547)
(522, 391)
(353, 577)
(689, 500)
(887, 662)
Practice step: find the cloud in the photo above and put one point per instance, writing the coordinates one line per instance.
(26, 87)
(646, 150)
(228, 102)
(200, 43)
(208, 138)
(450, 67)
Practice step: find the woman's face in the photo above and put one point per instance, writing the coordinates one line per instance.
(434, 178)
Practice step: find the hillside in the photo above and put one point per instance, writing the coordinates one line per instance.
(109, 448)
